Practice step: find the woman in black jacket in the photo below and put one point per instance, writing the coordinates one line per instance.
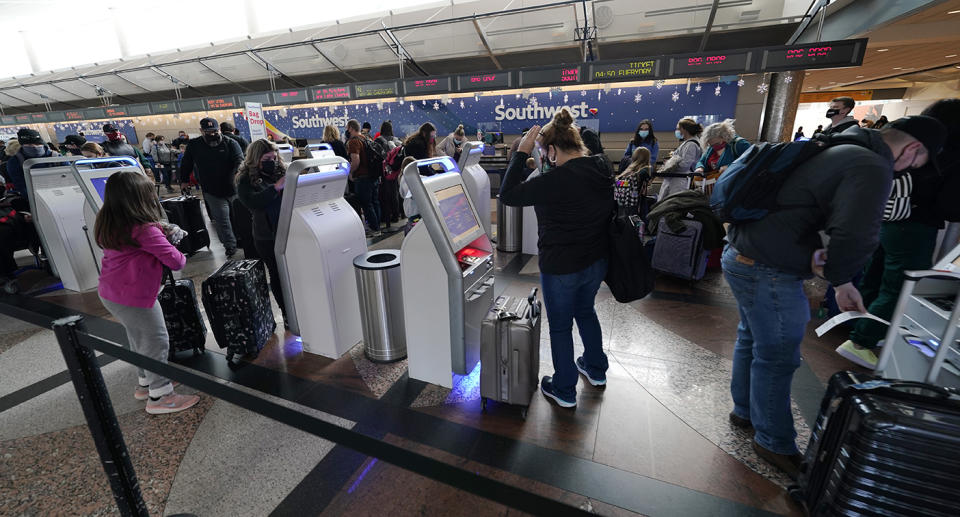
(260, 183)
(423, 143)
(331, 135)
(573, 199)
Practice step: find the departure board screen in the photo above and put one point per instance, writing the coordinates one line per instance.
(22, 119)
(73, 115)
(330, 93)
(221, 103)
(92, 113)
(190, 105)
(385, 89)
(38, 117)
(426, 85)
(116, 111)
(298, 96)
(262, 98)
(642, 68)
(490, 80)
(56, 116)
(138, 110)
(712, 63)
(817, 55)
(161, 108)
(559, 75)
(8, 120)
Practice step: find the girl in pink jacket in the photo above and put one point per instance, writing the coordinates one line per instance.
(136, 245)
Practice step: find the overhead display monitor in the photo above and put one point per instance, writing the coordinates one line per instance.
(641, 68)
(835, 54)
(160, 108)
(116, 111)
(487, 81)
(191, 105)
(458, 218)
(426, 85)
(381, 89)
(73, 115)
(261, 98)
(297, 96)
(138, 110)
(221, 103)
(38, 117)
(548, 76)
(710, 63)
(330, 93)
(8, 120)
(93, 113)
(23, 119)
(56, 116)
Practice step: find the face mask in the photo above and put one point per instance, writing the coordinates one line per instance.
(212, 140)
(268, 167)
(458, 142)
(719, 147)
(33, 151)
(643, 133)
(832, 113)
(114, 137)
(678, 134)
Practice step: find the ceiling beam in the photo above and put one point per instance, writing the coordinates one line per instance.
(709, 27)
(28, 103)
(332, 62)
(176, 81)
(483, 39)
(252, 54)
(48, 98)
(402, 52)
(128, 81)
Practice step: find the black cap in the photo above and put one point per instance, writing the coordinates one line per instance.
(209, 124)
(928, 130)
(366, 125)
(27, 136)
(76, 140)
(110, 128)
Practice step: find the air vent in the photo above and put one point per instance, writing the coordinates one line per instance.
(603, 16)
(57, 192)
(317, 210)
(335, 207)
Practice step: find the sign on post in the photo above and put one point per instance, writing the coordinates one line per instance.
(254, 114)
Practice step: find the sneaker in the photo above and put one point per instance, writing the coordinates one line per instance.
(10, 285)
(231, 252)
(171, 403)
(143, 392)
(582, 367)
(739, 421)
(788, 463)
(861, 356)
(546, 386)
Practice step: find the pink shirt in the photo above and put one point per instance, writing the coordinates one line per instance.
(132, 276)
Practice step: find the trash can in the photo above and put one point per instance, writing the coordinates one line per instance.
(381, 305)
(509, 227)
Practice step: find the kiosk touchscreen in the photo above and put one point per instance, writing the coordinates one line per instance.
(285, 151)
(92, 174)
(477, 181)
(323, 150)
(446, 270)
(57, 203)
(318, 236)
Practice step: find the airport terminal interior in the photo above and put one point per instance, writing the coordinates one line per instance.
(373, 374)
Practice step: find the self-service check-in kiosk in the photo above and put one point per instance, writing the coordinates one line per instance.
(57, 203)
(477, 182)
(318, 236)
(92, 174)
(285, 152)
(921, 343)
(446, 269)
(323, 150)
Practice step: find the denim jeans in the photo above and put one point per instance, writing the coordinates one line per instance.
(218, 208)
(773, 318)
(369, 199)
(567, 298)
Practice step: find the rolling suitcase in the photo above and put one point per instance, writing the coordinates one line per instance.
(510, 351)
(680, 254)
(883, 447)
(181, 313)
(237, 302)
(185, 212)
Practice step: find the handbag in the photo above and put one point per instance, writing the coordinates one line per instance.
(629, 275)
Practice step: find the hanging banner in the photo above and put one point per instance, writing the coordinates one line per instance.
(254, 118)
(93, 131)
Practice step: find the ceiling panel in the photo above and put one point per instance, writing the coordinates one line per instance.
(937, 13)
(192, 73)
(237, 68)
(297, 60)
(78, 88)
(896, 61)
(149, 79)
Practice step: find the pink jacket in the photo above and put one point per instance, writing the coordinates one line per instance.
(132, 276)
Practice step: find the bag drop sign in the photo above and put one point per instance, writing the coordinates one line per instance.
(254, 116)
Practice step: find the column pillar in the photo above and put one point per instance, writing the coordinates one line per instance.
(781, 107)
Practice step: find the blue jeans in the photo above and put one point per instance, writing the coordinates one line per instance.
(567, 298)
(218, 208)
(773, 318)
(369, 198)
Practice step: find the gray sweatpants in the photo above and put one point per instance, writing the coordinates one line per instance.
(147, 334)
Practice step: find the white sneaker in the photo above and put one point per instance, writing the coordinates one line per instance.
(171, 403)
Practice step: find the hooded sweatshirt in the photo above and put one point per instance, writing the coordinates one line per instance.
(573, 202)
(842, 191)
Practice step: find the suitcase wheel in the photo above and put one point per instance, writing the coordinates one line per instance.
(796, 493)
(483, 404)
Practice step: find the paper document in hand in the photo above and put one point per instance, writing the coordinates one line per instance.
(844, 317)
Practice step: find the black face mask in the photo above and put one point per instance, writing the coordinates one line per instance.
(832, 113)
(268, 167)
(213, 140)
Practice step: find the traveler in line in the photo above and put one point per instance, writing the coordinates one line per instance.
(214, 160)
(882, 121)
(365, 130)
(422, 144)
(230, 131)
(260, 185)
(818, 130)
(389, 189)
(92, 150)
(31, 146)
(721, 146)
(72, 144)
(331, 135)
(163, 160)
(116, 145)
(452, 145)
(841, 191)
(573, 198)
(642, 137)
(683, 159)
(365, 181)
(799, 134)
(147, 145)
(840, 115)
(631, 184)
(181, 139)
(136, 246)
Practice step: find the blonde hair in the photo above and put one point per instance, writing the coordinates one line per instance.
(638, 160)
(93, 147)
(722, 130)
(562, 133)
(331, 133)
(459, 131)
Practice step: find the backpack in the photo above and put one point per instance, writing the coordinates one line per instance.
(392, 163)
(629, 275)
(747, 190)
(371, 159)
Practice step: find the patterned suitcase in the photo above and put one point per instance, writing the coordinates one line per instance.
(181, 313)
(680, 254)
(236, 299)
(510, 351)
(883, 447)
(185, 212)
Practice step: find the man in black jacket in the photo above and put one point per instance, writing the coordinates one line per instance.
(231, 132)
(840, 116)
(841, 191)
(214, 160)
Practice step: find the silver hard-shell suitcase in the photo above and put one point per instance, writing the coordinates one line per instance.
(510, 351)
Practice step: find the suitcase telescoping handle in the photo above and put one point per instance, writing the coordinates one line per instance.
(943, 391)
(534, 305)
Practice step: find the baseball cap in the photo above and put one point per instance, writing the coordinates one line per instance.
(209, 124)
(27, 136)
(76, 140)
(110, 128)
(927, 130)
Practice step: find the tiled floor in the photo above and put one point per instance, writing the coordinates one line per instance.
(656, 441)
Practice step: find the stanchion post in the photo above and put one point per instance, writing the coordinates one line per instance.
(101, 419)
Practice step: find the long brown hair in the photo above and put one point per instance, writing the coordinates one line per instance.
(638, 160)
(424, 134)
(129, 200)
(250, 167)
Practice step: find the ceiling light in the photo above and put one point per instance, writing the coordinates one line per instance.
(859, 77)
(897, 68)
(953, 12)
(882, 49)
(951, 55)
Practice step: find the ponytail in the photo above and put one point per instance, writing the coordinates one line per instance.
(562, 133)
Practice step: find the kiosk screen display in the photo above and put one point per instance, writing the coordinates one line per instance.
(462, 225)
(100, 185)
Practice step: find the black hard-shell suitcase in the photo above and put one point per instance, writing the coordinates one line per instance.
(185, 212)
(181, 313)
(242, 222)
(510, 351)
(680, 254)
(883, 447)
(236, 299)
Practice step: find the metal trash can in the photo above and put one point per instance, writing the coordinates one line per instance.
(509, 227)
(381, 305)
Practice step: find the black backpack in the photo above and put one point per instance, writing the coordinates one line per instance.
(374, 159)
(629, 275)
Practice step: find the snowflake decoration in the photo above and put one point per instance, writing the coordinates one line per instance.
(476, 98)
(788, 78)
(565, 98)
(401, 102)
(763, 88)
(423, 102)
(658, 84)
(716, 91)
(436, 105)
(462, 105)
(638, 97)
(619, 91)
(675, 96)
(379, 105)
(411, 108)
(550, 94)
(598, 94)
(366, 109)
(698, 88)
(389, 110)
(741, 82)
(517, 96)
